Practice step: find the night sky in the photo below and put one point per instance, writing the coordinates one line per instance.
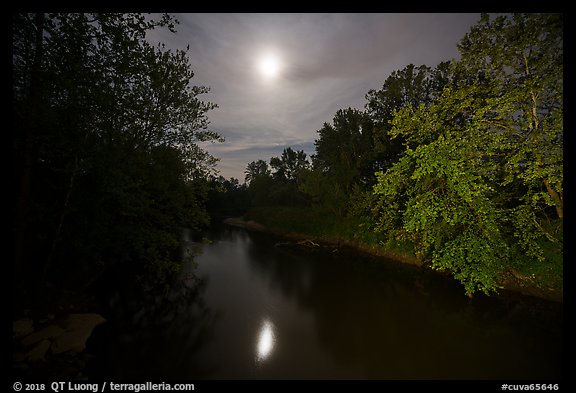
(277, 78)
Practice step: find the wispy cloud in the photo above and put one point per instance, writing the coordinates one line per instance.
(329, 62)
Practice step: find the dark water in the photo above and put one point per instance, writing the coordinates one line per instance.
(263, 311)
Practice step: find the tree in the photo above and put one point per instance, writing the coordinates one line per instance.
(324, 191)
(278, 186)
(344, 157)
(345, 149)
(256, 169)
(94, 104)
(453, 192)
(436, 198)
(288, 165)
(227, 197)
(520, 60)
(410, 86)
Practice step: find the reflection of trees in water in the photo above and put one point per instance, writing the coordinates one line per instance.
(154, 334)
(284, 270)
(392, 321)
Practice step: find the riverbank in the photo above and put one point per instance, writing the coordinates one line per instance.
(336, 242)
(50, 334)
(512, 281)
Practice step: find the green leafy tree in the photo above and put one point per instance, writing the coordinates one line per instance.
(483, 160)
(410, 86)
(435, 198)
(519, 60)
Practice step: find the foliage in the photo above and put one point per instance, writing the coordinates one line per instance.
(433, 198)
(256, 169)
(227, 197)
(294, 219)
(325, 190)
(522, 75)
(467, 158)
(288, 166)
(409, 87)
(106, 143)
(344, 149)
(278, 185)
(344, 158)
(483, 160)
(356, 143)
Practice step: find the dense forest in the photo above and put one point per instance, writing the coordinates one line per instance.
(458, 165)
(107, 163)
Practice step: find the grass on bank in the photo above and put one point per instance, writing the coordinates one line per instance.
(322, 225)
(549, 273)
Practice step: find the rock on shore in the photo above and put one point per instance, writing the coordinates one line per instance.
(61, 339)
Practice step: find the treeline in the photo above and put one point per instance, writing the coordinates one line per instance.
(107, 167)
(460, 165)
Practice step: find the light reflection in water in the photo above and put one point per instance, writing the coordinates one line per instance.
(266, 340)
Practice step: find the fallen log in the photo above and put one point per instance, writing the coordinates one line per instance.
(307, 243)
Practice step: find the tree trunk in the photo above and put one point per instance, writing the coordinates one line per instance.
(63, 213)
(556, 198)
(28, 129)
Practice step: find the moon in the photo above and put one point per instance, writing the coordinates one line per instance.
(269, 66)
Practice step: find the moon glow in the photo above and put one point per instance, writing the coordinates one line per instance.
(269, 66)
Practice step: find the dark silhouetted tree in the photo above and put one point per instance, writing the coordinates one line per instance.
(289, 164)
(256, 169)
(106, 132)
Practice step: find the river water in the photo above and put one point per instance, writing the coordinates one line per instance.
(266, 311)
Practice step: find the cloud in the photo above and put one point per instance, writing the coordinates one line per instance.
(329, 62)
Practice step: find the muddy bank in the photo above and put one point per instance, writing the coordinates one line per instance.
(512, 281)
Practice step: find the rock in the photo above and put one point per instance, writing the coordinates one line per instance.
(50, 331)
(78, 328)
(37, 353)
(22, 327)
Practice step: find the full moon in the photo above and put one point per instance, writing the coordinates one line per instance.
(269, 66)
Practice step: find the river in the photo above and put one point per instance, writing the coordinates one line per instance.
(257, 310)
